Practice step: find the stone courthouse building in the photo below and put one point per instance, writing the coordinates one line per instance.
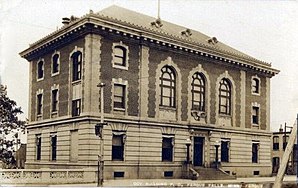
(164, 84)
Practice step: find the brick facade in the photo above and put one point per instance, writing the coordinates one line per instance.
(143, 121)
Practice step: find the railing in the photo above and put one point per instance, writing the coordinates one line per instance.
(47, 176)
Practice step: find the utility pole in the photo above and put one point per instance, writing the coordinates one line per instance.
(296, 147)
(99, 133)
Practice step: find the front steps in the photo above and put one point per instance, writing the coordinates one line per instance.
(212, 174)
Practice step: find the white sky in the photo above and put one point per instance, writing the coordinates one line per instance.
(266, 30)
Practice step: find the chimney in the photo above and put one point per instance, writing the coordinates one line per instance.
(65, 21)
(280, 129)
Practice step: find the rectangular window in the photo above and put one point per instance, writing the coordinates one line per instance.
(118, 174)
(38, 146)
(255, 152)
(39, 104)
(255, 115)
(168, 174)
(275, 142)
(76, 107)
(167, 149)
(225, 151)
(40, 70)
(53, 147)
(54, 100)
(118, 147)
(256, 173)
(119, 96)
(74, 140)
(285, 142)
(77, 66)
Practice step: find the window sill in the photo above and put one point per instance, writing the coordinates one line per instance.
(120, 109)
(39, 79)
(76, 82)
(120, 67)
(256, 94)
(255, 126)
(54, 114)
(39, 117)
(167, 108)
(55, 74)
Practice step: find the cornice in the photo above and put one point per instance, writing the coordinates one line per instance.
(101, 23)
(182, 125)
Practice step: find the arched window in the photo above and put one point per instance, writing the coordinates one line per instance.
(198, 92)
(76, 66)
(55, 65)
(255, 86)
(167, 87)
(225, 97)
(120, 56)
(40, 70)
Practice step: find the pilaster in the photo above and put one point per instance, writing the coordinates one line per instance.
(144, 81)
(92, 74)
(242, 98)
(268, 104)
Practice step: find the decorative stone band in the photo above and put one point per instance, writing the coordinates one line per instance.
(46, 176)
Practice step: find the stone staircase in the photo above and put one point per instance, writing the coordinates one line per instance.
(212, 174)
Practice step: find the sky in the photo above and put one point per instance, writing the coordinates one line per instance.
(264, 29)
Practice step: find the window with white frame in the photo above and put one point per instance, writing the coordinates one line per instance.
(225, 97)
(118, 141)
(76, 107)
(255, 85)
(255, 115)
(225, 150)
(119, 96)
(76, 58)
(39, 104)
(120, 55)
(53, 140)
(54, 100)
(38, 146)
(255, 152)
(55, 64)
(198, 92)
(40, 70)
(168, 87)
(167, 148)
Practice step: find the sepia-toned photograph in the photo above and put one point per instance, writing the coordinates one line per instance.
(149, 93)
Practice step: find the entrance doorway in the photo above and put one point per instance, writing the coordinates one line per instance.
(198, 151)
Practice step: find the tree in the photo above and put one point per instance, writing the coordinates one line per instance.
(10, 125)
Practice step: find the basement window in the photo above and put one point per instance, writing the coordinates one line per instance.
(168, 174)
(118, 174)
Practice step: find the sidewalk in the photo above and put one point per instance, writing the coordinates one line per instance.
(182, 182)
(172, 182)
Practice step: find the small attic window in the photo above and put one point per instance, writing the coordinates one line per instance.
(212, 40)
(157, 23)
(186, 33)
